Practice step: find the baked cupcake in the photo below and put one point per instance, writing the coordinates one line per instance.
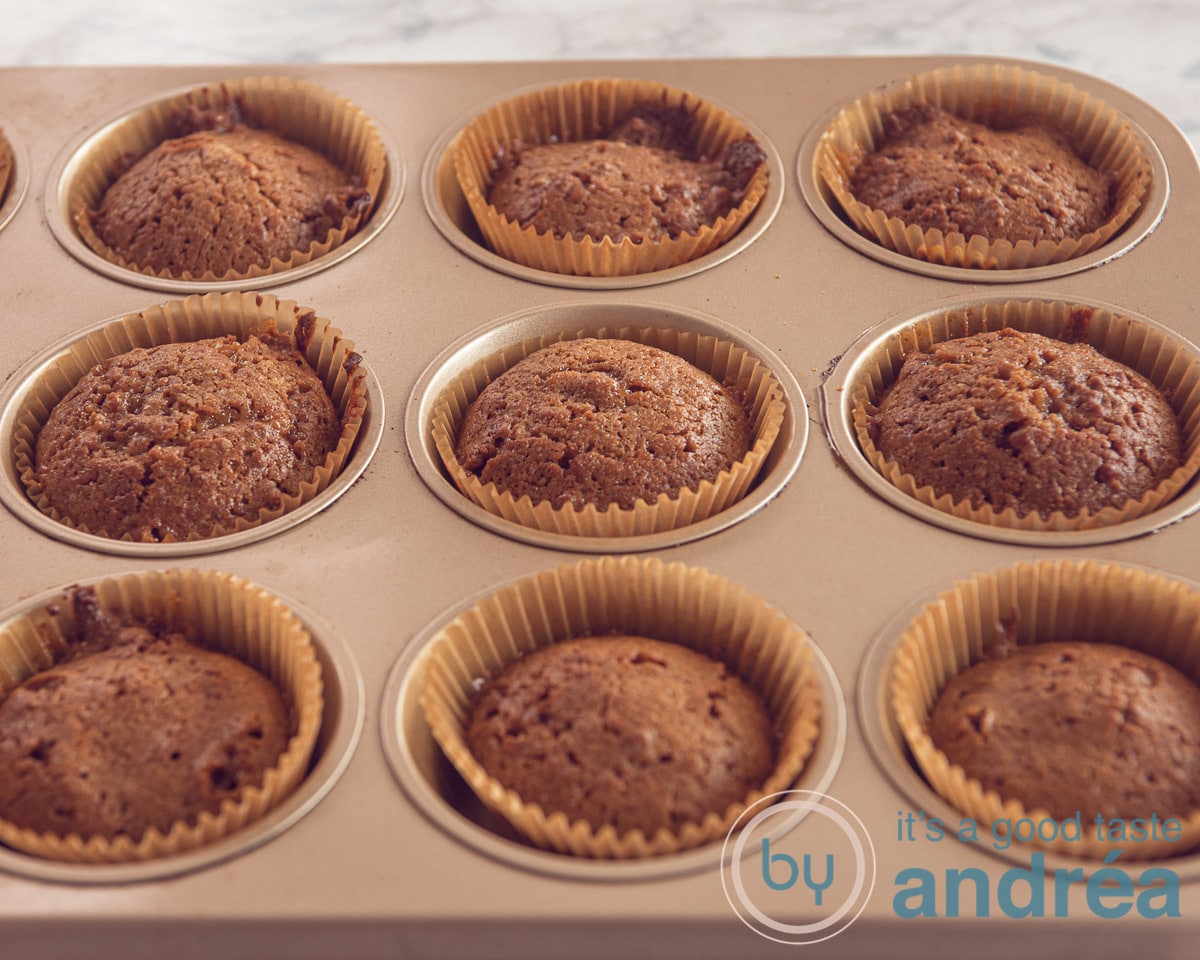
(635, 733)
(125, 697)
(1031, 415)
(608, 177)
(151, 714)
(162, 442)
(602, 422)
(940, 172)
(639, 182)
(228, 410)
(1058, 690)
(987, 166)
(1076, 729)
(609, 436)
(224, 200)
(229, 181)
(622, 708)
(1017, 420)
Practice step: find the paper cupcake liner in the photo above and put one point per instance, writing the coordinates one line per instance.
(327, 351)
(726, 362)
(227, 614)
(295, 109)
(642, 597)
(1057, 601)
(585, 110)
(6, 165)
(996, 95)
(1170, 363)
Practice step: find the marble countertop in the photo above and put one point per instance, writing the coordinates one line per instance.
(1149, 48)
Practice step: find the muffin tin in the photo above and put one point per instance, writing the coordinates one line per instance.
(381, 852)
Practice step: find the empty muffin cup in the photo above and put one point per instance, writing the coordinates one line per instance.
(297, 110)
(224, 613)
(239, 315)
(639, 597)
(728, 363)
(1042, 602)
(590, 109)
(1000, 96)
(1166, 360)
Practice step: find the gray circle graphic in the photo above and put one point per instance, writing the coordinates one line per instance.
(836, 917)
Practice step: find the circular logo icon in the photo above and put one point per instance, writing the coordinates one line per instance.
(798, 885)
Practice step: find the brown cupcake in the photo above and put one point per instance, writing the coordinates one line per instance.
(940, 172)
(229, 181)
(630, 732)
(6, 165)
(602, 422)
(1076, 729)
(743, 377)
(191, 420)
(1057, 690)
(165, 442)
(127, 773)
(608, 177)
(617, 627)
(121, 735)
(987, 166)
(1031, 415)
(1016, 420)
(224, 200)
(640, 181)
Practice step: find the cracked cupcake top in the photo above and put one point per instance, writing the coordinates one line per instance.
(221, 200)
(941, 172)
(1023, 421)
(642, 181)
(174, 441)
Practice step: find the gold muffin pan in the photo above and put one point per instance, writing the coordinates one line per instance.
(383, 848)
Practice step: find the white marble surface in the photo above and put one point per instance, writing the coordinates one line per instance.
(1150, 47)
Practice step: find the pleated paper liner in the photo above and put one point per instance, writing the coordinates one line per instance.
(637, 596)
(327, 351)
(726, 362)
(1169, 362)
(588, 110)
(996, 95)
(227, 614)
(1082, 600)
(295, 109)
(6, 164)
